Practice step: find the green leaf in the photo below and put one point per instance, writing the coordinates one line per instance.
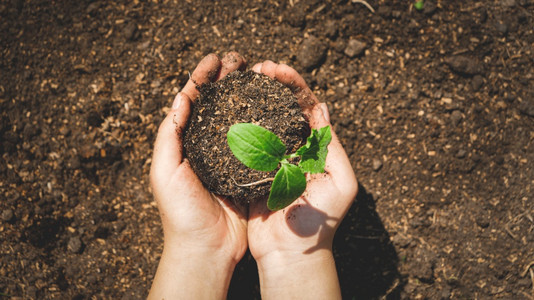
(313, 154)
(255, 146)
(289, 183)
(418, 4)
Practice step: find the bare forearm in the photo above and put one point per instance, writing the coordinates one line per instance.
(188, 275)
(312, 276)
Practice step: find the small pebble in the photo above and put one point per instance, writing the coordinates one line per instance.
(74, 245)
(501, 27)
(130, 31)
(92, 7)
(384, 11)
(401, 241)
(527, 107)
(508, 3)
(461, 153)
(477, 82)
(464, 65)
(482, 221)
(312, 52)
(377, 164)
(456, 118)
(355, 48)
(7, 215)
(429, 7)
(331, 29)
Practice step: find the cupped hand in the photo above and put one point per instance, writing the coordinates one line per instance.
(308, 225)
(196, 223)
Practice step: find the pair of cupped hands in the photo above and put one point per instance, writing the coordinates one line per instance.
(205, 236)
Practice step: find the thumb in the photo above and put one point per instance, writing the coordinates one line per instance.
(168, 148)
(337, 162)
(319, 117)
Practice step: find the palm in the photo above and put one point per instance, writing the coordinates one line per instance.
(205, 218)
(302, 227)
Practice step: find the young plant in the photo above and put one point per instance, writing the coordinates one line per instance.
(419, 4)
(260, 149)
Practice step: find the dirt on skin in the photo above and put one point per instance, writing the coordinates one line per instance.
(240, 97)
(435, 109)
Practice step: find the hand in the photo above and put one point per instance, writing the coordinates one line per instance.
(204, 237)
(293, 246)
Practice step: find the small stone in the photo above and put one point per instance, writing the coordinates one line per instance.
(296, 17)
(384, 11)
(155, 84)
(74, 245)
(130, 31)
(508, 3)
(481, 15)
(477, 82)
(464, 65)
(482, 221)
(501, 27)
(401, 241)
(456, 118)
(7, 215)
(377, 164)
(92, 7)
(461, 153)
(312, 53)
(527, 107)
(423, 269)
(330, 29)
(355, 48)
(429, 7)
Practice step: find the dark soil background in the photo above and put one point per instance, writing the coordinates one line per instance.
(435, 109)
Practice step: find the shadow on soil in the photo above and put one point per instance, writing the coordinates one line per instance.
(365, 258)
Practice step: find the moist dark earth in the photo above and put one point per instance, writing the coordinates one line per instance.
(435, 109)
(240, 97)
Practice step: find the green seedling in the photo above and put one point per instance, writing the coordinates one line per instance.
(419, 4)
(260, 149)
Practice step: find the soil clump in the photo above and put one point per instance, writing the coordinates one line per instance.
(240, 97)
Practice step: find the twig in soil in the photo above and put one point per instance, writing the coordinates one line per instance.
(527, 268)
(507, 229)
(364, 3)
(253, 183)
(391, 289)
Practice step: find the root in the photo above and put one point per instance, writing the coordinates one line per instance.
(364, 3)
(253, 183)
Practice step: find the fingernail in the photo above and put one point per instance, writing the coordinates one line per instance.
(324, 110)
(177, 101)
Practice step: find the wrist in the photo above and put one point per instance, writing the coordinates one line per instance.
(218, 259)
(299, 275)
(192, 273)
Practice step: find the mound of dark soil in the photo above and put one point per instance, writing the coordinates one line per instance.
(241, 97)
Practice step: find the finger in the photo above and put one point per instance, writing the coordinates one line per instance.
(257, 67)
(207, 70)
(231, 62)
(292, 79)
(268, 68)
(168, 148)
(337, 163)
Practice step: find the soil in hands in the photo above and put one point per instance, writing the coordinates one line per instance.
(240, 97)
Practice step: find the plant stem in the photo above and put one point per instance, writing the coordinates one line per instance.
(290, 156)
(269, 179)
